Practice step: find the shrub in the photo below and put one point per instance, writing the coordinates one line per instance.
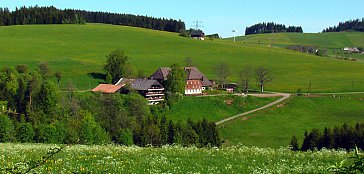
(47, 133)
(294, 143)
(90, 131)
(6, 129)
(299, 92)
(25, 133)
(125, 137)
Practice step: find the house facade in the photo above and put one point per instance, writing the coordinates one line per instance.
(193, 87)
(152, 90)
(196, 82)
(198, 34)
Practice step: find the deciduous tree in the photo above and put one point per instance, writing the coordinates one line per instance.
(7, 130)
(118, 66)
(222, 72)
(245, 76)
(176, 79)
(263, 76)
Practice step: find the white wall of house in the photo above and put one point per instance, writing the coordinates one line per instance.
(193, 91)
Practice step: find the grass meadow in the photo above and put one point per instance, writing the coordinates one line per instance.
(168, 159)
(214, 108)
(275, 126)
(328, 40)
(78, 50)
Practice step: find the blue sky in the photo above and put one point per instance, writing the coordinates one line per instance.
(221, 16)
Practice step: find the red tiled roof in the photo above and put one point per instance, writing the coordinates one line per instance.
(106, 88)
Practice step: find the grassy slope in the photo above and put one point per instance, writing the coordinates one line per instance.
(80, 49)
(332, 40)
(274, 127)
(214, 108)
(119, 159)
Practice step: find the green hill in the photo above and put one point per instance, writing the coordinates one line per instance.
(78, 50)
(331, 40)
(275, 126)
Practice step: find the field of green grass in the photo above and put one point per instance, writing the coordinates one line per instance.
(168, 159)
(78, 50)
(214, 108)
(275, 126)
(330, 40)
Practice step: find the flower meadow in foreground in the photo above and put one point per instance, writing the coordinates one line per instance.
(168, 159)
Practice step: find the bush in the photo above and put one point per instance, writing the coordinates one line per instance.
(299, 92)
(6, 129)
(25, 133)
(125, 137)
(47, 134)
(294, 143)
(91, 132)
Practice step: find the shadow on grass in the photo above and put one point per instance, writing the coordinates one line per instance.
(97, 75)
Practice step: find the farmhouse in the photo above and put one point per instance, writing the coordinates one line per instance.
(193, 87)
(152, 90)
(196, 82)
(198, 34)
(194, 74)
(352, 50)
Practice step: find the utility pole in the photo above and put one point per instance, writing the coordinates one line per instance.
(197, 24)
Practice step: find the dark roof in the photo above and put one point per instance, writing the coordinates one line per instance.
(161, 74)
(106, 88)
(144, 84)
(194, 74)
(197, 33)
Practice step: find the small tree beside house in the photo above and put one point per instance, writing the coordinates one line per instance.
(222, 72)
(245, 76)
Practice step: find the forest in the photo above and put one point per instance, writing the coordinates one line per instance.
(52, 15)
(351, 25)
(345, 137)
(271, 27)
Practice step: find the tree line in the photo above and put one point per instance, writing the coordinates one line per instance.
(52, 15)
(271, 27)
(351, 25)
(344, 137)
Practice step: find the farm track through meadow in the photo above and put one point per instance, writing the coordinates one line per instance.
(284, 97)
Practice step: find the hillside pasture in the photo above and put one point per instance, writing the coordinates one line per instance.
(327, 40)
(275, 126)
(80, 50)
(214, 108)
